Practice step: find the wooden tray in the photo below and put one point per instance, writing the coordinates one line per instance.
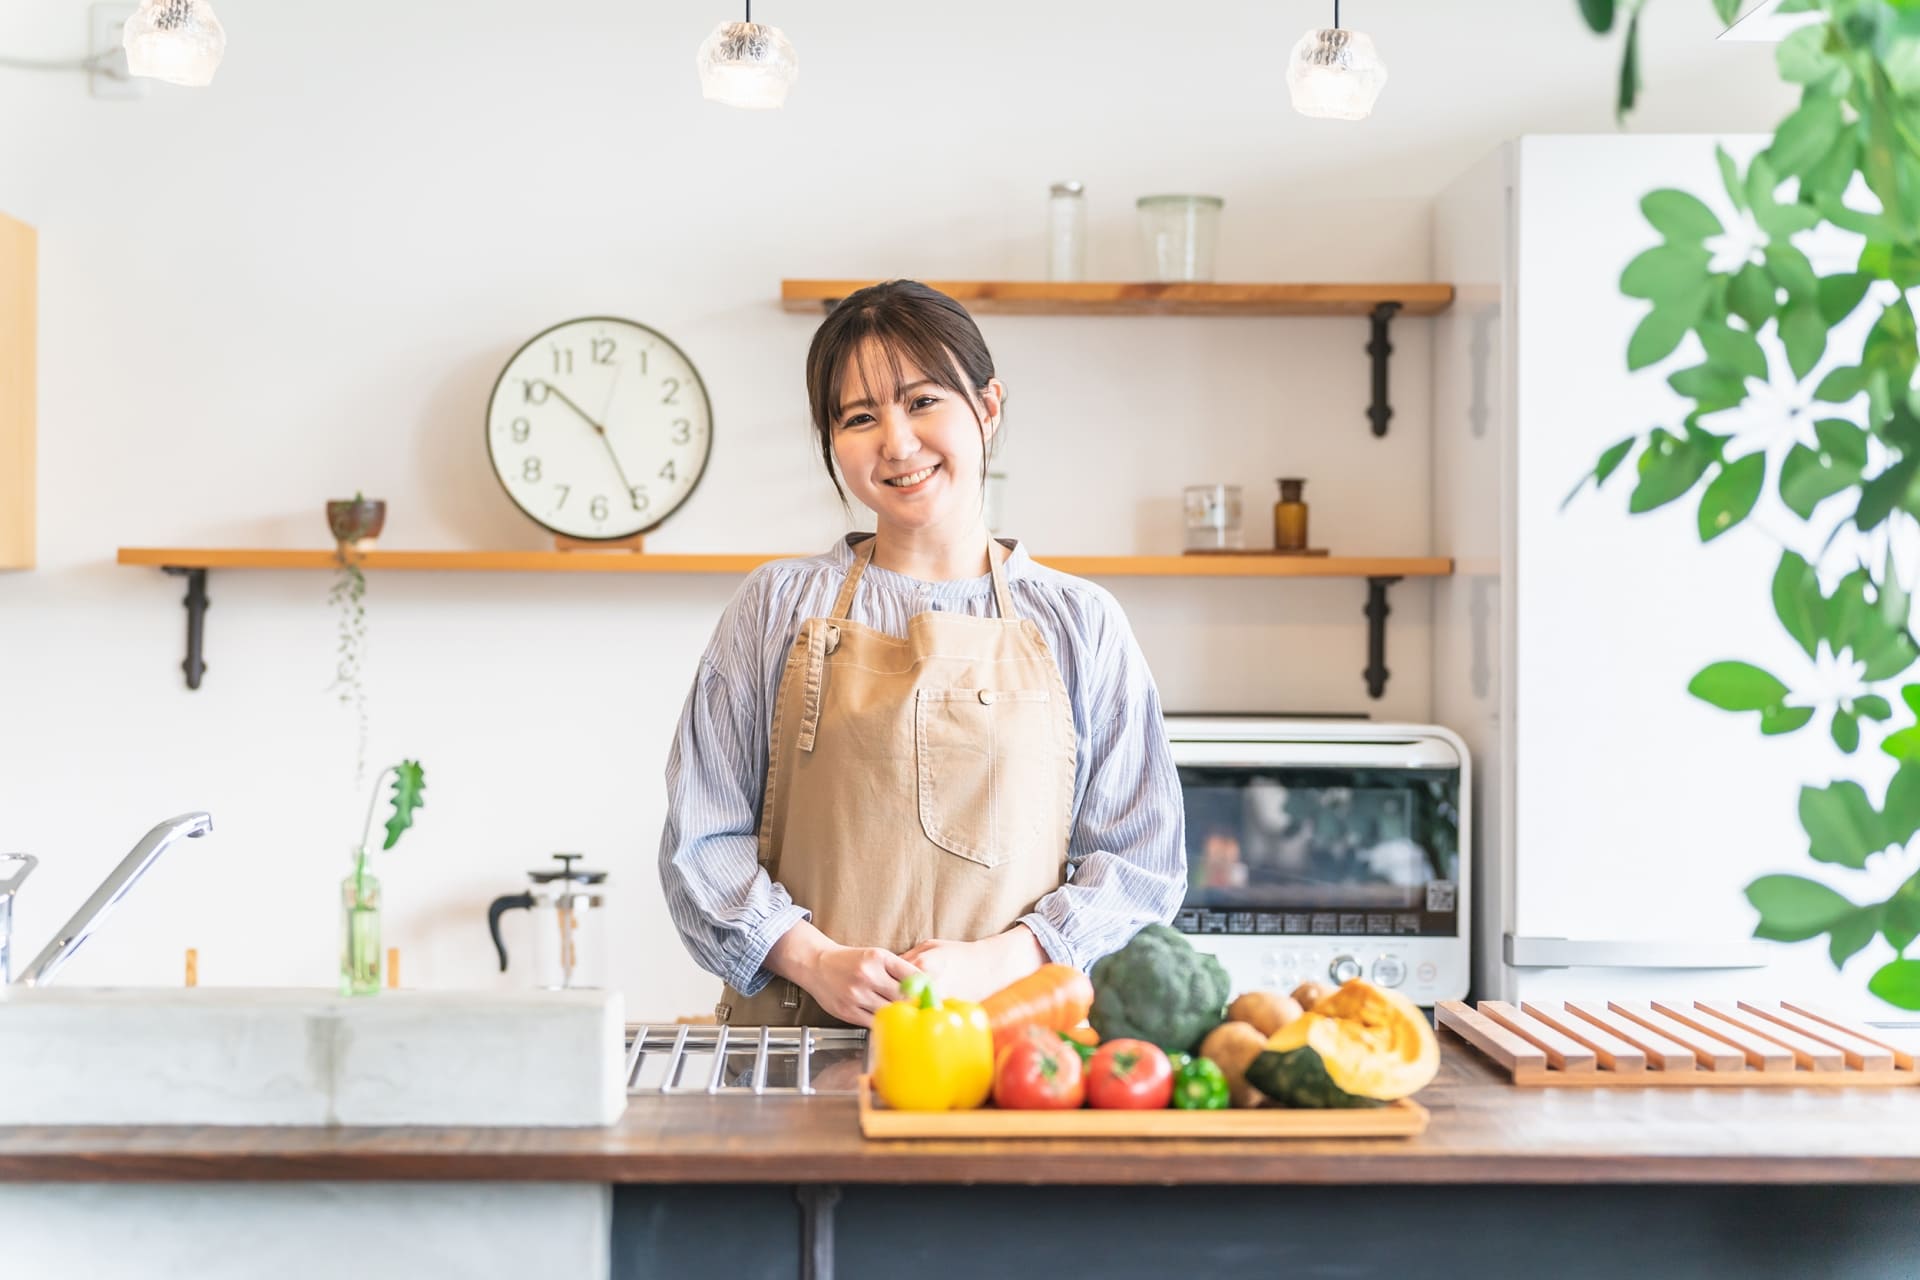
(1400, 1119)
(1584, 1044)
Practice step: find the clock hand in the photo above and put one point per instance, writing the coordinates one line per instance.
(602, 433)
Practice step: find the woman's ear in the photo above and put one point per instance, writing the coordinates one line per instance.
(993, 402)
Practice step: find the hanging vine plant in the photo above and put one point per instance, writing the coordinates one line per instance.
(1742, 302)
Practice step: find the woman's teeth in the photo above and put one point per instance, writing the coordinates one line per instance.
(907, 482)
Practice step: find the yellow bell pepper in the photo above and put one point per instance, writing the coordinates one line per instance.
(931, 1055)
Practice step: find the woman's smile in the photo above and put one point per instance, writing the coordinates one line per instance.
(913, 481)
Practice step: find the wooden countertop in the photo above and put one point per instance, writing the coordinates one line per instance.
(1483, 1130)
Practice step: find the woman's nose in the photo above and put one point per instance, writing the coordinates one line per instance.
(900, 443)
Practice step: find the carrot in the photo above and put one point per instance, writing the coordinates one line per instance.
(1054, 996)
(1082, 1035)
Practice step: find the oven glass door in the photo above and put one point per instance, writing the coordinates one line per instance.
(1308, 849)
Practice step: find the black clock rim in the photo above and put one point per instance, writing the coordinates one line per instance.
(486, 428)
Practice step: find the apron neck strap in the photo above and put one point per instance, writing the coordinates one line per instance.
(842, 607)
(1001, 596)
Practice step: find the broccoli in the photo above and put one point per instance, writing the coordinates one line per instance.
(1158, 988)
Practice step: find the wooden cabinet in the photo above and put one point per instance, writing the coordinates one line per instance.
(19, 295)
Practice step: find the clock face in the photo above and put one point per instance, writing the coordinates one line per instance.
(599, 428)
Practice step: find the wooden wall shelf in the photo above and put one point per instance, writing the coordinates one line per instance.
(1379, 303)
(1146, 298)
(1248, 566)
(194, 563)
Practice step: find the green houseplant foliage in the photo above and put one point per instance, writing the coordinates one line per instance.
(1854, 461)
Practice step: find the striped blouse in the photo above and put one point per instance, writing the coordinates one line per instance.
(1126, 857)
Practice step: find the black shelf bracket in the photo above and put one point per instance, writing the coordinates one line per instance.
(1377, 611)
(196, 602)
(1380, 411)
(816, 1230)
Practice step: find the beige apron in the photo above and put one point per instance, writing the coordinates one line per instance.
(916, 788)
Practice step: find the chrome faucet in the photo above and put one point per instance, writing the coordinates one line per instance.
(16, 868)
(76, 931)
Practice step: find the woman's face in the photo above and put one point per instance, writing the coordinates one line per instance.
(912, 453)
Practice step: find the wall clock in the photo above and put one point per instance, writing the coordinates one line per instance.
(599, 429)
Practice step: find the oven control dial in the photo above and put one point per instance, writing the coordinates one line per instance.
(1344, 968)
(1389, 971)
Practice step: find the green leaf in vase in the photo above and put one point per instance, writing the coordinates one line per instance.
(409, 787)
(1737, 686)
(1794, 908)
(1729, 498)
(1682, 217)
(1841, 824)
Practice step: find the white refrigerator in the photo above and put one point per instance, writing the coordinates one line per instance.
(1618, 818)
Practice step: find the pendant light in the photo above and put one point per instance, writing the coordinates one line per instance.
(747, 64)
(1335, 74)
(179, 41)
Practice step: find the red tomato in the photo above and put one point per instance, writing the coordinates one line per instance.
(1038, 1071)
(1129, 1075)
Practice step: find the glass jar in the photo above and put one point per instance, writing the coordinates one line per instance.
(1067, 232)
(1290, 517)
(1177, 233)
(360, 930)
(1213, 517)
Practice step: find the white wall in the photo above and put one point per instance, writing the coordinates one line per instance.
(303, 281)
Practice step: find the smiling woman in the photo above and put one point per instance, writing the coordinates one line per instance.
(920, 752)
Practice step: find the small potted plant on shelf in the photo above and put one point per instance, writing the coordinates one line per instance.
(355, 523)
(360, 953)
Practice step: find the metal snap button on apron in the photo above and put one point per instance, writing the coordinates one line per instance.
(986, 697)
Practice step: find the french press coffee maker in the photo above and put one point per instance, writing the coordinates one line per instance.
(569, 929)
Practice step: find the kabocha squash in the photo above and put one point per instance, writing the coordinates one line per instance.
(1359, 1047)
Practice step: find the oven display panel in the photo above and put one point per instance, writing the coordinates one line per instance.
(1306, 851)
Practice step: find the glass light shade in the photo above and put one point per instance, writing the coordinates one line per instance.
(1335, 74)
(179, 41)
(747, 64)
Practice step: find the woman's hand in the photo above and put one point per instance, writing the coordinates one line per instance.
(851, 983)
(975, 970)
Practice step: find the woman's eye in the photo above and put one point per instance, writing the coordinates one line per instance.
(857, 420)
(922, 401)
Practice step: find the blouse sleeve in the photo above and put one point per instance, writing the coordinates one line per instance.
(1126, 856)
(728, 911)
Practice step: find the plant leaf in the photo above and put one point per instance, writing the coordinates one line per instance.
(1669, 467)
(1752, 296)
(1873, 707)
(1682, 217)
(1898, 983)
(1609, 462)
(1798, 602)
(1730, 497)
(1775, 721)
(1841, 385)
(1846, 731)
(1599, 14)
(1805, 136)
(1802, 57)
(1734, 349)
(1737, 686)
(1841, 824)
(1840, 294)
(409, 784)
(1791, 268)
(1665, 271)
(1805, 336)
(1730, 178)
(1629, 69)
(1794, 908)
(1661, 330)
(1850, 935)
(1901, 811)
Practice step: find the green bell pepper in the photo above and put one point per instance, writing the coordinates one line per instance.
(1200, 1085)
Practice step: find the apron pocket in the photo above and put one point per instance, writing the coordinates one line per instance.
(976, 798)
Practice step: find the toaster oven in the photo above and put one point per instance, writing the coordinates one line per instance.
(1326, 850)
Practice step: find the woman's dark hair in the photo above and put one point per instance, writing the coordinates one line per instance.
(907, 323)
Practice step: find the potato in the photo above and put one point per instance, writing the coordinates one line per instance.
(1232, 1046)
(1267, 1011)
(1309, 994)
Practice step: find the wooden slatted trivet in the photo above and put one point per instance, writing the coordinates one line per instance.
(1615, 1043)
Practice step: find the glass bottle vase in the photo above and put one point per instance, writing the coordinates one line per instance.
(360, 954)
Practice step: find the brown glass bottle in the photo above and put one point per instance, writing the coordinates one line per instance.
(1290, 517)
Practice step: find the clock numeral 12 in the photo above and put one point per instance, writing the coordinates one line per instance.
(603, 350)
